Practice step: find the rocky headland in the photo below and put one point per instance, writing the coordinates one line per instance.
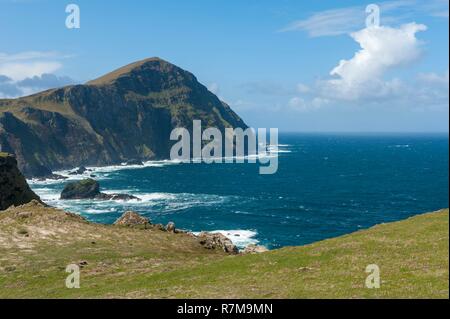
(125, 116)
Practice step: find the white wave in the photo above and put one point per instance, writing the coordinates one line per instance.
(279, 148)
(47, 194)
(156, 197)
(35, 181)
(99, 211)
(104, 170)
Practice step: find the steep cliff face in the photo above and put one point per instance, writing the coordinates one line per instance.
(14, 189)
(126, 114)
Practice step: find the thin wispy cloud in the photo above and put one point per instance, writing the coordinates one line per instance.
(350, 19)
(329, 22)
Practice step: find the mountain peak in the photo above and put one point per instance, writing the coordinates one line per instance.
(135, 68)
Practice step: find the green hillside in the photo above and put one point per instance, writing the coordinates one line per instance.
(37, 243)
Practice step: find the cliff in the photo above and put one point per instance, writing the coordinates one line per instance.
(127, 114)
(14, 189)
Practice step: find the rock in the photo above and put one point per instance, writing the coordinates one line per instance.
(131, 218)
(159, 227)
(124, 197)
(14, 189)
(79, 171)
(90, 189)
(217, 241)
(254, 249)
(85, 189)
(24, 215)
(134, 162)
(75, 216)
(171, 227)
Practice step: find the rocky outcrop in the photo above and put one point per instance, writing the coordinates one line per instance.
(90, 189)
(122, 116)
(14, 189)
(131, 219)
(80, 170)
(254, 249)
(85, 189)
(217, 241)
(122, 197)
(171, 227)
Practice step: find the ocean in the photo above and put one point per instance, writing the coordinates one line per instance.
(327, 185)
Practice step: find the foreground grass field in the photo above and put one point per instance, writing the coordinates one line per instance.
(37, 243)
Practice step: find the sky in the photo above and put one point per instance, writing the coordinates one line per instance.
(306, 66)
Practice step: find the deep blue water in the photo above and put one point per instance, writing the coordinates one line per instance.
(327, 185)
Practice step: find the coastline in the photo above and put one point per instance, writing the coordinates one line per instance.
(164, 265)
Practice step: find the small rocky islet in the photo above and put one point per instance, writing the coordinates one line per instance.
(15, 192)
(90, 189)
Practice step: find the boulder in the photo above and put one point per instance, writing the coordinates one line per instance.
(124, 197)
(79, 171)
(131, 218)
(254, 249)
(14, 189)
(90, 189)
(171, 227)
(217, 241)
(84, 189)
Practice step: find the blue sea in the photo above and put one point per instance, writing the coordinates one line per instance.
(326, 185)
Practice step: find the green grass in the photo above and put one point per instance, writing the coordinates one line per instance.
(130, 263)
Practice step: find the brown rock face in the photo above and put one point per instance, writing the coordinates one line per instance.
(217, 241)
(254, 249)
(14, 189)
(132, 219)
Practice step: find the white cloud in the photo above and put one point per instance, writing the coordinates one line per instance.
(28, 55)
(28, 72)
(299, 104)
(303, 88)
(22, 65)
(329, 22)
(382, 49)
(434, 78)
(360, 80)
(20, 71)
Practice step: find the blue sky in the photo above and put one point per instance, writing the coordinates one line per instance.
(270, 60)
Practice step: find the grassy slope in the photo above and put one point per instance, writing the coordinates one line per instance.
(412, 256)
